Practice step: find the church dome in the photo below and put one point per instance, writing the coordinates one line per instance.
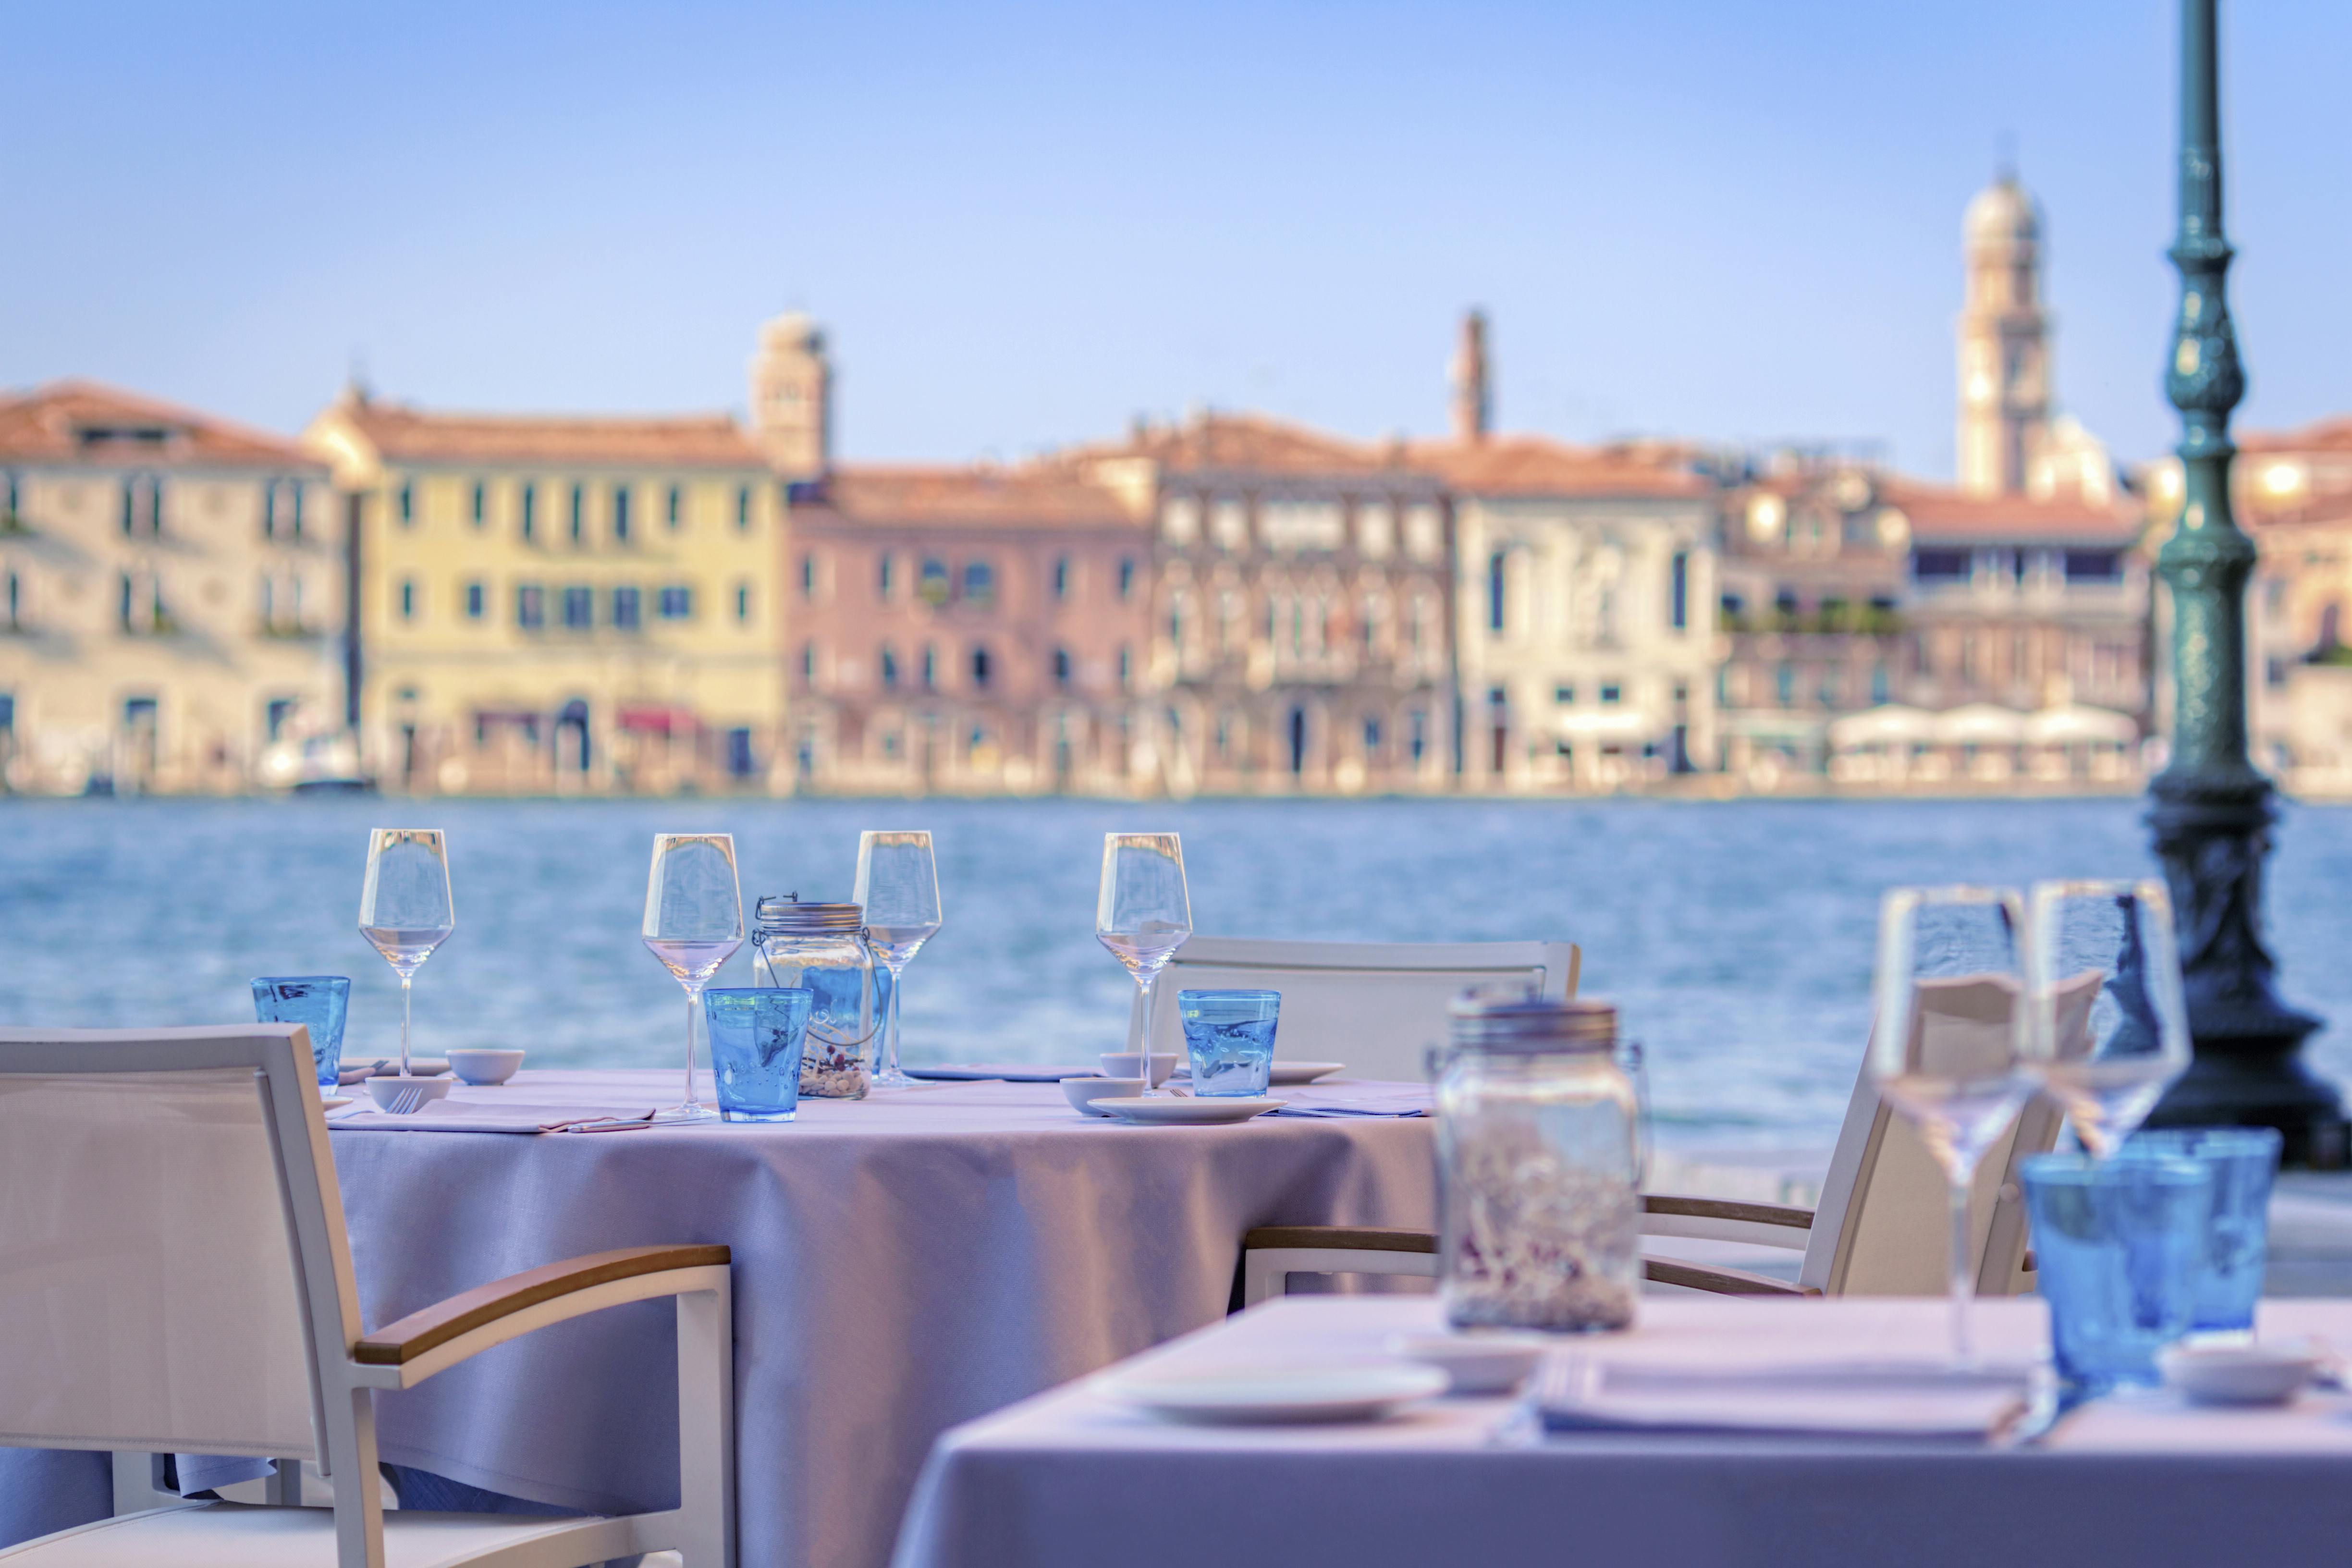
(2002, 214)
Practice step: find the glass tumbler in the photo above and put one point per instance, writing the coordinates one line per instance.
(2243, 1161)
(1538, 1162)
(1230, 1034)
(320, 1003)
(2118, 1244)
(757, 1035)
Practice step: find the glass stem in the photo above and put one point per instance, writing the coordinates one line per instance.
(403, 1026)
(693, 1006)
(890, 1023)
(1963, 1286)
(1143, 1067)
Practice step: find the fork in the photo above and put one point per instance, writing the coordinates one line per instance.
(406, 1102)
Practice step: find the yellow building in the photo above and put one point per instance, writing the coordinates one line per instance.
(171, 599)
(561, 605)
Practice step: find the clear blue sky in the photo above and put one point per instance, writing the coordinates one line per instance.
(1730, 219)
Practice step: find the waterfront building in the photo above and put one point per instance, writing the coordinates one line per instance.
(1301, 607)
(171, 594)
(1586, 585)
(561, 602)
(967, 630)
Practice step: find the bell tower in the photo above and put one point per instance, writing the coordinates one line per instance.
(791, 398)
(1474, 402)
(2004, 342)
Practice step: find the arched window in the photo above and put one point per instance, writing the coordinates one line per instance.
(886, 661)
(1061, 666)
(1494, 604)
(932, 585)
(979, 668)
(979, 582)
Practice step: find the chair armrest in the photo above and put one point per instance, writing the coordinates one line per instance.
(1724, 1219)
(1338, 1239)
(1721, 1281)
(537, 1293)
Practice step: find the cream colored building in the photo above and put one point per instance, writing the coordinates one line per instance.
(562, 604)
(171, 594)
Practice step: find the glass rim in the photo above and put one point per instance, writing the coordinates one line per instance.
(1225, 996)
(2250, 1138)
(736, 993)
(299, 979)
(2074, 1169)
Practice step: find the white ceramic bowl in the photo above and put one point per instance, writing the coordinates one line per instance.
(484, 1067)
(385, 1090)
(1129, 1063)
(1081, 1092)
(1476, 1363)
(2238, 1374)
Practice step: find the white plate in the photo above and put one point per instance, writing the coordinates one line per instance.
(1287, 1074)
(1262, 1393)
(1478, 1363)
(1194, 1111)
(1010, 1073)
(2239, 1375)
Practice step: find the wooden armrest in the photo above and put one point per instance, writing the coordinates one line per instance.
(1348, 1237)
(1722, 1281)
(398, 1343)
(1726, 1208)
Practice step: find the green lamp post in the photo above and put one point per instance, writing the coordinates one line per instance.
(2211, 811)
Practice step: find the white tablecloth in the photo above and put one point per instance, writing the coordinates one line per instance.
(1074, 1481)
(901, 1264)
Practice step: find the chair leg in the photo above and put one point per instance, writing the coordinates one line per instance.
(359, 1500)
(139, 1483)
(706, 1428)
(285, 1484)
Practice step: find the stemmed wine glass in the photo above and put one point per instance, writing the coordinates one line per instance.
(1947, 1046)
(2110, 1026)
(694, 922)
(1143, 913)
(899, 889)
(405, 907)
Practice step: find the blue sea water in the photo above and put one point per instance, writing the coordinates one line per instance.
(1735, 936)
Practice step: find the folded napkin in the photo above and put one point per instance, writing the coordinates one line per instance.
(464, 1116)
(1852, 1399)
(1356, 1100)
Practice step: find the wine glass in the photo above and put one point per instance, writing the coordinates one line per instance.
(1143, 914)
(694, 922)
(1946, 1049)
(899, 889)
(405, 907)
(2110, 1028)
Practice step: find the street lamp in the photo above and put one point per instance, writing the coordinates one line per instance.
(2211, 810)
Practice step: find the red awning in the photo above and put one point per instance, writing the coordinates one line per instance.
(658, 721)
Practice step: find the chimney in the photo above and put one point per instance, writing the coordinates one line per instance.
(1472, 395)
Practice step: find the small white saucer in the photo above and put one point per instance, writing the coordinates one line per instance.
(1290, 1074)
(1483, 1363)
(1196, 1111)
(2239, 1375)
(1266, 1394)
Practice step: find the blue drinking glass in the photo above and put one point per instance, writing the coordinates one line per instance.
(757, 1034)
(2119, 1245)
(1230, 1034)
(2243, 1161)
(319, 1002)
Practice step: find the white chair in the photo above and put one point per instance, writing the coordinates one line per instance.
(1376, 1006)
(1882, 1227)
(174, 1277)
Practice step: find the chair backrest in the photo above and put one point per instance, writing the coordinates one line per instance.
(171, 1245)
(1375, 1006)
(1882, 1225)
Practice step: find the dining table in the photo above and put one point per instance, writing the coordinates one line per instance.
(1081, 1476)
(902, 1263)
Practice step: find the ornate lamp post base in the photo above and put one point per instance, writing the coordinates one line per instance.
(2212, 838)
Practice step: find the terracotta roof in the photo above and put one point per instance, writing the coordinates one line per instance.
(2326, 436)
(1536, 466)
(965, 497)
(1246, 442)
(85, 422)
(404, 433)
(1940, 515)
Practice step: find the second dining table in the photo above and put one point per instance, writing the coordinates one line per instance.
(902, 1264)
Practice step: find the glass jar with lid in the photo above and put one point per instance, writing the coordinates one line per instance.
(822, 946)
(1539, 1167)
